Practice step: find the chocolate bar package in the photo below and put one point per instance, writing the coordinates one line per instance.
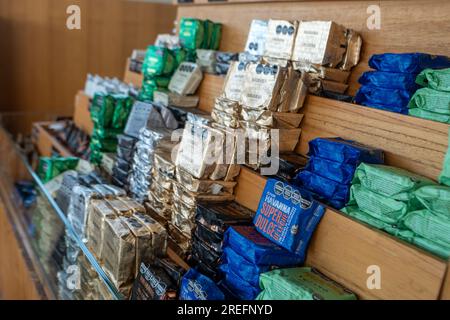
(218, 217)
(119, 252)
(281, 35)
(78, 208)
(202, 252)
(203, 186)
(196, 286)
(167, 98)
(288, 216)
(177, 241)
(98, 212)
(138, 118)
(256, 39)
(153, 283)
(234, 81)
(174, 271)
(320, 42)
(158, 243)
(186, 79)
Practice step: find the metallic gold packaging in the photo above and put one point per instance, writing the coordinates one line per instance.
(280, 39)
(228, 106)
(120, 207)
(163, 194)
(178, 241)
(161, 180)
(181, 194)
(203, 186)
(133, 205)
(99, 210)
(225, 119)
(151, 212)
(234, 81)
(184, 225)
(353, 52)
(119, 253)
(158, 232)
(163, 162)
(318, 71)
(163, 209)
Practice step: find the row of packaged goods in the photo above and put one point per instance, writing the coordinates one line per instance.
(174, 167)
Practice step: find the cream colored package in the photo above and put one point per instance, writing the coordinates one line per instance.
(99, 210)
(167, 98)
(158, 232)
(261, 88)
(257, 35)
(163, 161)
(320, 42)
(353, 51)
(133, 205)
(234, 81)
(322, 72)
(120, 207)
(186, 79)
(119, 252)
(280, 39)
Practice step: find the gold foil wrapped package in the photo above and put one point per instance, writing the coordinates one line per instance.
(280, 39)
(119, 252)
(167, 98)
(120, 207)
(133, 205)
(158, 234)
(163, 162)
(163, 209)
(162, 194)
(179, 241)
(162, 218)
(262, 85)
(143, 238)
(186, 79)
(199, 150)
(186, 226)
(225, 119)
(234, 81)
(203, 186)
(181, 194)
(321, 72)
(294, 92)
(228, 106)
(98, 212)
(353, 52)
(320, 42)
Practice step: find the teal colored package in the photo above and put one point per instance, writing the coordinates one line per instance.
(288, 216)
(196, 286)
(257, 249)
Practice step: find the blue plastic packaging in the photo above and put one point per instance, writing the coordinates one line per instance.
(394, 99)
(196, 286)
(344, 151)
(240, 288)
(334, 193)
(257, 249)
(408, 62)
(390, 80)
(339, 172)
(288, 216)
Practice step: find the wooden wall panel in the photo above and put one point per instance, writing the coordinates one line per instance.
(44, 64)
(406, 26)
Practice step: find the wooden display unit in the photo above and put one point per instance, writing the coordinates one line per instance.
(46, 142)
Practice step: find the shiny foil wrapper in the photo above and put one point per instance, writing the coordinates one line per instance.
(181, 194)
(228, 106)
(319, 85)
(186, 226)
(133, 205)
(353, 52)
(203, 186)
(163, 162)
(234, 81)
(181, 244)
(158, 233)
(119, 252)
(162, 181)
(321, 72)
(120, 207)
(163, 209)
(225, 119)
(294, 92)
(99, 210)
(162, 220)
(161, 193)
(280, 39)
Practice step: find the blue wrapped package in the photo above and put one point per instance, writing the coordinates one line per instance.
(394, 99)
(196, 286)
(345, 151)
(257, 249)
(336, 171)
(390, 80)
(408, 62)
(240, 266)
(288, 216)
(239, 288)
(334, 193)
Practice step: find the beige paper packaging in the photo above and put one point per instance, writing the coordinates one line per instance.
(158, 232)
(280, 39)
(234, 81)
(119, 252)
(261, 88)
(353, 52)
(204, 186)
(120, 207)
(186, 79)
(167, 98)
(99, 210)
(320, 42)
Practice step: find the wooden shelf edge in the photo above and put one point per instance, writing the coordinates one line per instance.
(52, 140)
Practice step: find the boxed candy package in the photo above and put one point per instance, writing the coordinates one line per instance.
(186, 79)
(196, 286)
(257, 35)
(288, 216)
(153, 283)
(99, 211)
(280, 39)
(234, 81)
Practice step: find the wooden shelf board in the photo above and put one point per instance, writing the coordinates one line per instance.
(46, 141)
(82, 115)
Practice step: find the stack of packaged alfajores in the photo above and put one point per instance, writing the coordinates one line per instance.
(215, 62)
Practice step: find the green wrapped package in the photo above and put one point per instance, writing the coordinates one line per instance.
(424, 114)
(431, 100)
(429, 226)
(209, 28)
(438, 249)
(103, 145)
(147, 91)
(96, 157)
(105, 133)
(192, 33)
(391, 182)
(180, 55)
(397, 231)
(102, 110)
(216, 36)
(158, 61)
(435, 79)
(435, 198)
(122, 110)
(378, 206)
(301, 284)
(444, 177)
(49, 168)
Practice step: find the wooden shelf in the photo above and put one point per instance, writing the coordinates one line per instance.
(46, 142)
(82, 115)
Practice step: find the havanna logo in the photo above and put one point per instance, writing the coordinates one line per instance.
(195, 287)
(292, 194)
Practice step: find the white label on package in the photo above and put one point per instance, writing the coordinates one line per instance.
(186, 79)
(312, 41)
(257, 35)
(234, 83)
(138, 118)
(280, 39)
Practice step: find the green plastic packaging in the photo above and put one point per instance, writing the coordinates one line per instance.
(301, 284)
(122, 110)
(444, 177)
(209, 28)
(216, 36)
(103, 145)
(391, 182)
(424, 114)
(102, 110)
(435, 198)
(438, 249)
(429, 226)
(431, 100)
(49, 168)
(158, 61)
(435, 79)
(378, 206)
(192, 33)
